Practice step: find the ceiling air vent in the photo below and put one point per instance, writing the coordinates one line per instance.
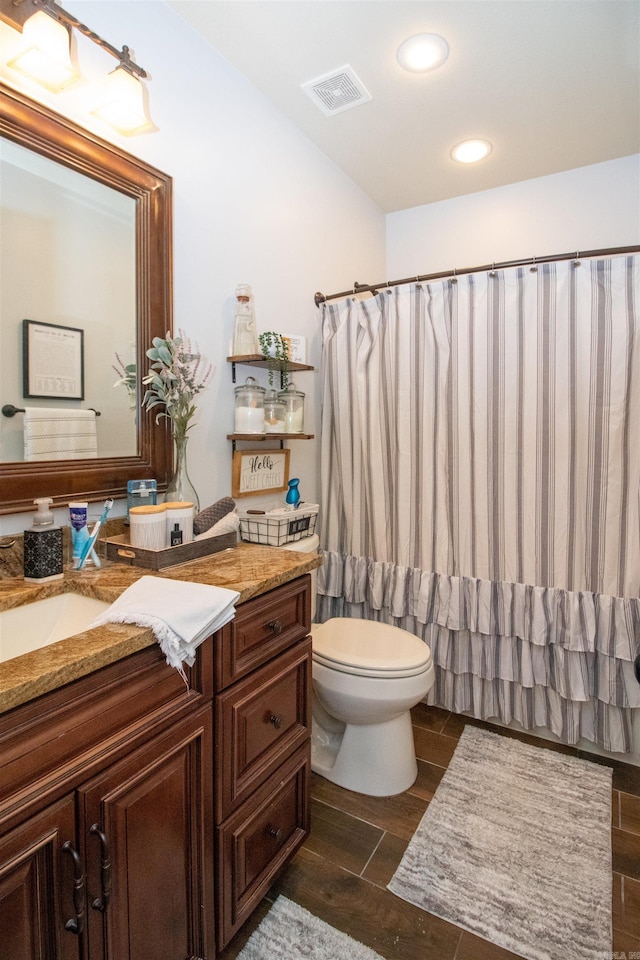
(337, 91)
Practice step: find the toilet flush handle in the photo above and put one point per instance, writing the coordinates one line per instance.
(276, 626)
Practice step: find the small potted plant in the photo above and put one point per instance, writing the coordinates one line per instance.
(275, 348)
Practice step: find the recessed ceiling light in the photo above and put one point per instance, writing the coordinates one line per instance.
(425, 51)
(470, 151)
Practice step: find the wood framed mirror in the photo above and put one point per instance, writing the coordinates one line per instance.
(34, 127)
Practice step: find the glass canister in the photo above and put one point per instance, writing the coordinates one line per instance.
(293, 401)
(274, 412)
(249, 412)
(245, 336)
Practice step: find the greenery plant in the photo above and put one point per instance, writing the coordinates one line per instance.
(178, 373)
(275, 348)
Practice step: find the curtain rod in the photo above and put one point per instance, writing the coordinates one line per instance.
(374, 287)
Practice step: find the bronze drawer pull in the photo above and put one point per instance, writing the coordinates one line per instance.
(276, 627)
(276, 833)
(101, 903)
(276, 720)
(76, 924)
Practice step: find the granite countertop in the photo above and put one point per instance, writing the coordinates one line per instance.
(248, 568)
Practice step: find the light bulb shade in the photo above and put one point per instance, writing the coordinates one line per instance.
(425, 51)
(122, 105)
(470, 151)
(45, 56)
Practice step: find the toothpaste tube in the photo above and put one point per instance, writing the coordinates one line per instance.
(79, 529)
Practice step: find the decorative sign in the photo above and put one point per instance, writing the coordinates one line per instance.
(258, 471)
(53, 361)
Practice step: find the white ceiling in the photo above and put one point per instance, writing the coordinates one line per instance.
(553, 84)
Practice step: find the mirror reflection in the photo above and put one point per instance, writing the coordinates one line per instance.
(68, 260)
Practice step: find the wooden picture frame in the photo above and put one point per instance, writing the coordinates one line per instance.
(52, 361)
(255, 472)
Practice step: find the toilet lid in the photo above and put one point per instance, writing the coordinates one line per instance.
(369, 648)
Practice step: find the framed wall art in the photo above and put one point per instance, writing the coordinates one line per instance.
(52, 361)
(259, 471)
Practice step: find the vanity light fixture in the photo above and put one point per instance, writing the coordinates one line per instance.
(470, 151)
(45, 57)
(122, 104)
(424, 52)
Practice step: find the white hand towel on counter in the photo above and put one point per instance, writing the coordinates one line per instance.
(180, 613)
(52, 433)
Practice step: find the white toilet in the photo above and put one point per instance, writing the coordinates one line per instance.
(366, 678)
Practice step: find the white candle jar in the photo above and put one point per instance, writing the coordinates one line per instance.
(179, 519)
(249, 407)
(147, 527)
(293, 401)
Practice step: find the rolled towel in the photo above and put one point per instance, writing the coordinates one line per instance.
(211, 515)
(229, 523)
(181, 614)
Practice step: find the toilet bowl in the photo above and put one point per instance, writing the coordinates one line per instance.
(366, 678)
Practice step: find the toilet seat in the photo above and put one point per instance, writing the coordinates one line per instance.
(368, 648)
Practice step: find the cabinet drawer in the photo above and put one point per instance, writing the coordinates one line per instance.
(260, 721)
(257, 840)
(262, 628)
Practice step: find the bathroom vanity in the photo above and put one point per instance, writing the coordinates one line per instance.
(140, 818)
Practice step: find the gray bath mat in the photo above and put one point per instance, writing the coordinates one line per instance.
(516, 847)
(289, 932)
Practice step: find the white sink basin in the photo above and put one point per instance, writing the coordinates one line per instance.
(38, 624)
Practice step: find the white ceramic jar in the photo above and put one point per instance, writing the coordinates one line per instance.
(179, 522)
(148, 527)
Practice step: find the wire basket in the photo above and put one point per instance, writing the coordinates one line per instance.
(278, 527)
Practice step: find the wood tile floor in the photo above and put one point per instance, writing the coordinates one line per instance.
(356, 843)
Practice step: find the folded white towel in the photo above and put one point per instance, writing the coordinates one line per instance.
(180, 613)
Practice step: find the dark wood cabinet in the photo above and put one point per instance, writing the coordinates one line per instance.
(148, 844)
(263, 756)
(141, 819)
(37, 887)
(106, 833)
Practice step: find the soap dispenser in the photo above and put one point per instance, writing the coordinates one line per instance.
(43, 553)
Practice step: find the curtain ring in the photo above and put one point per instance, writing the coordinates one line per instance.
(533, 268)
(492, 272)
(454, 279)
(576, 262)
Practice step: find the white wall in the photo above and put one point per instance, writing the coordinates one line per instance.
(585, 209)
(254, 202)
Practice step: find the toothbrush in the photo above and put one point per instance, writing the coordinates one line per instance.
(90, 544)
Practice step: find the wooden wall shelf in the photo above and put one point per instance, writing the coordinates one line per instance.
(258, 360)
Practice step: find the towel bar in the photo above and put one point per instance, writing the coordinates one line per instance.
(10, 411)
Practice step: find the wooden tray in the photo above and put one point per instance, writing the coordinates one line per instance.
(120, 550)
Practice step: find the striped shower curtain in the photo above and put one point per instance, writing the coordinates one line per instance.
(481, 484)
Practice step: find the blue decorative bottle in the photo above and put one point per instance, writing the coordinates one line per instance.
(293, 494)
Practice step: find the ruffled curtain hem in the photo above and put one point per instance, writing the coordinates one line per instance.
(572, 676)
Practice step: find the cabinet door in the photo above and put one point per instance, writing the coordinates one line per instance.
(149, 849)
(39, 876)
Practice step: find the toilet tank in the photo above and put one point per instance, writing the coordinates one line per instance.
(307, 545)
